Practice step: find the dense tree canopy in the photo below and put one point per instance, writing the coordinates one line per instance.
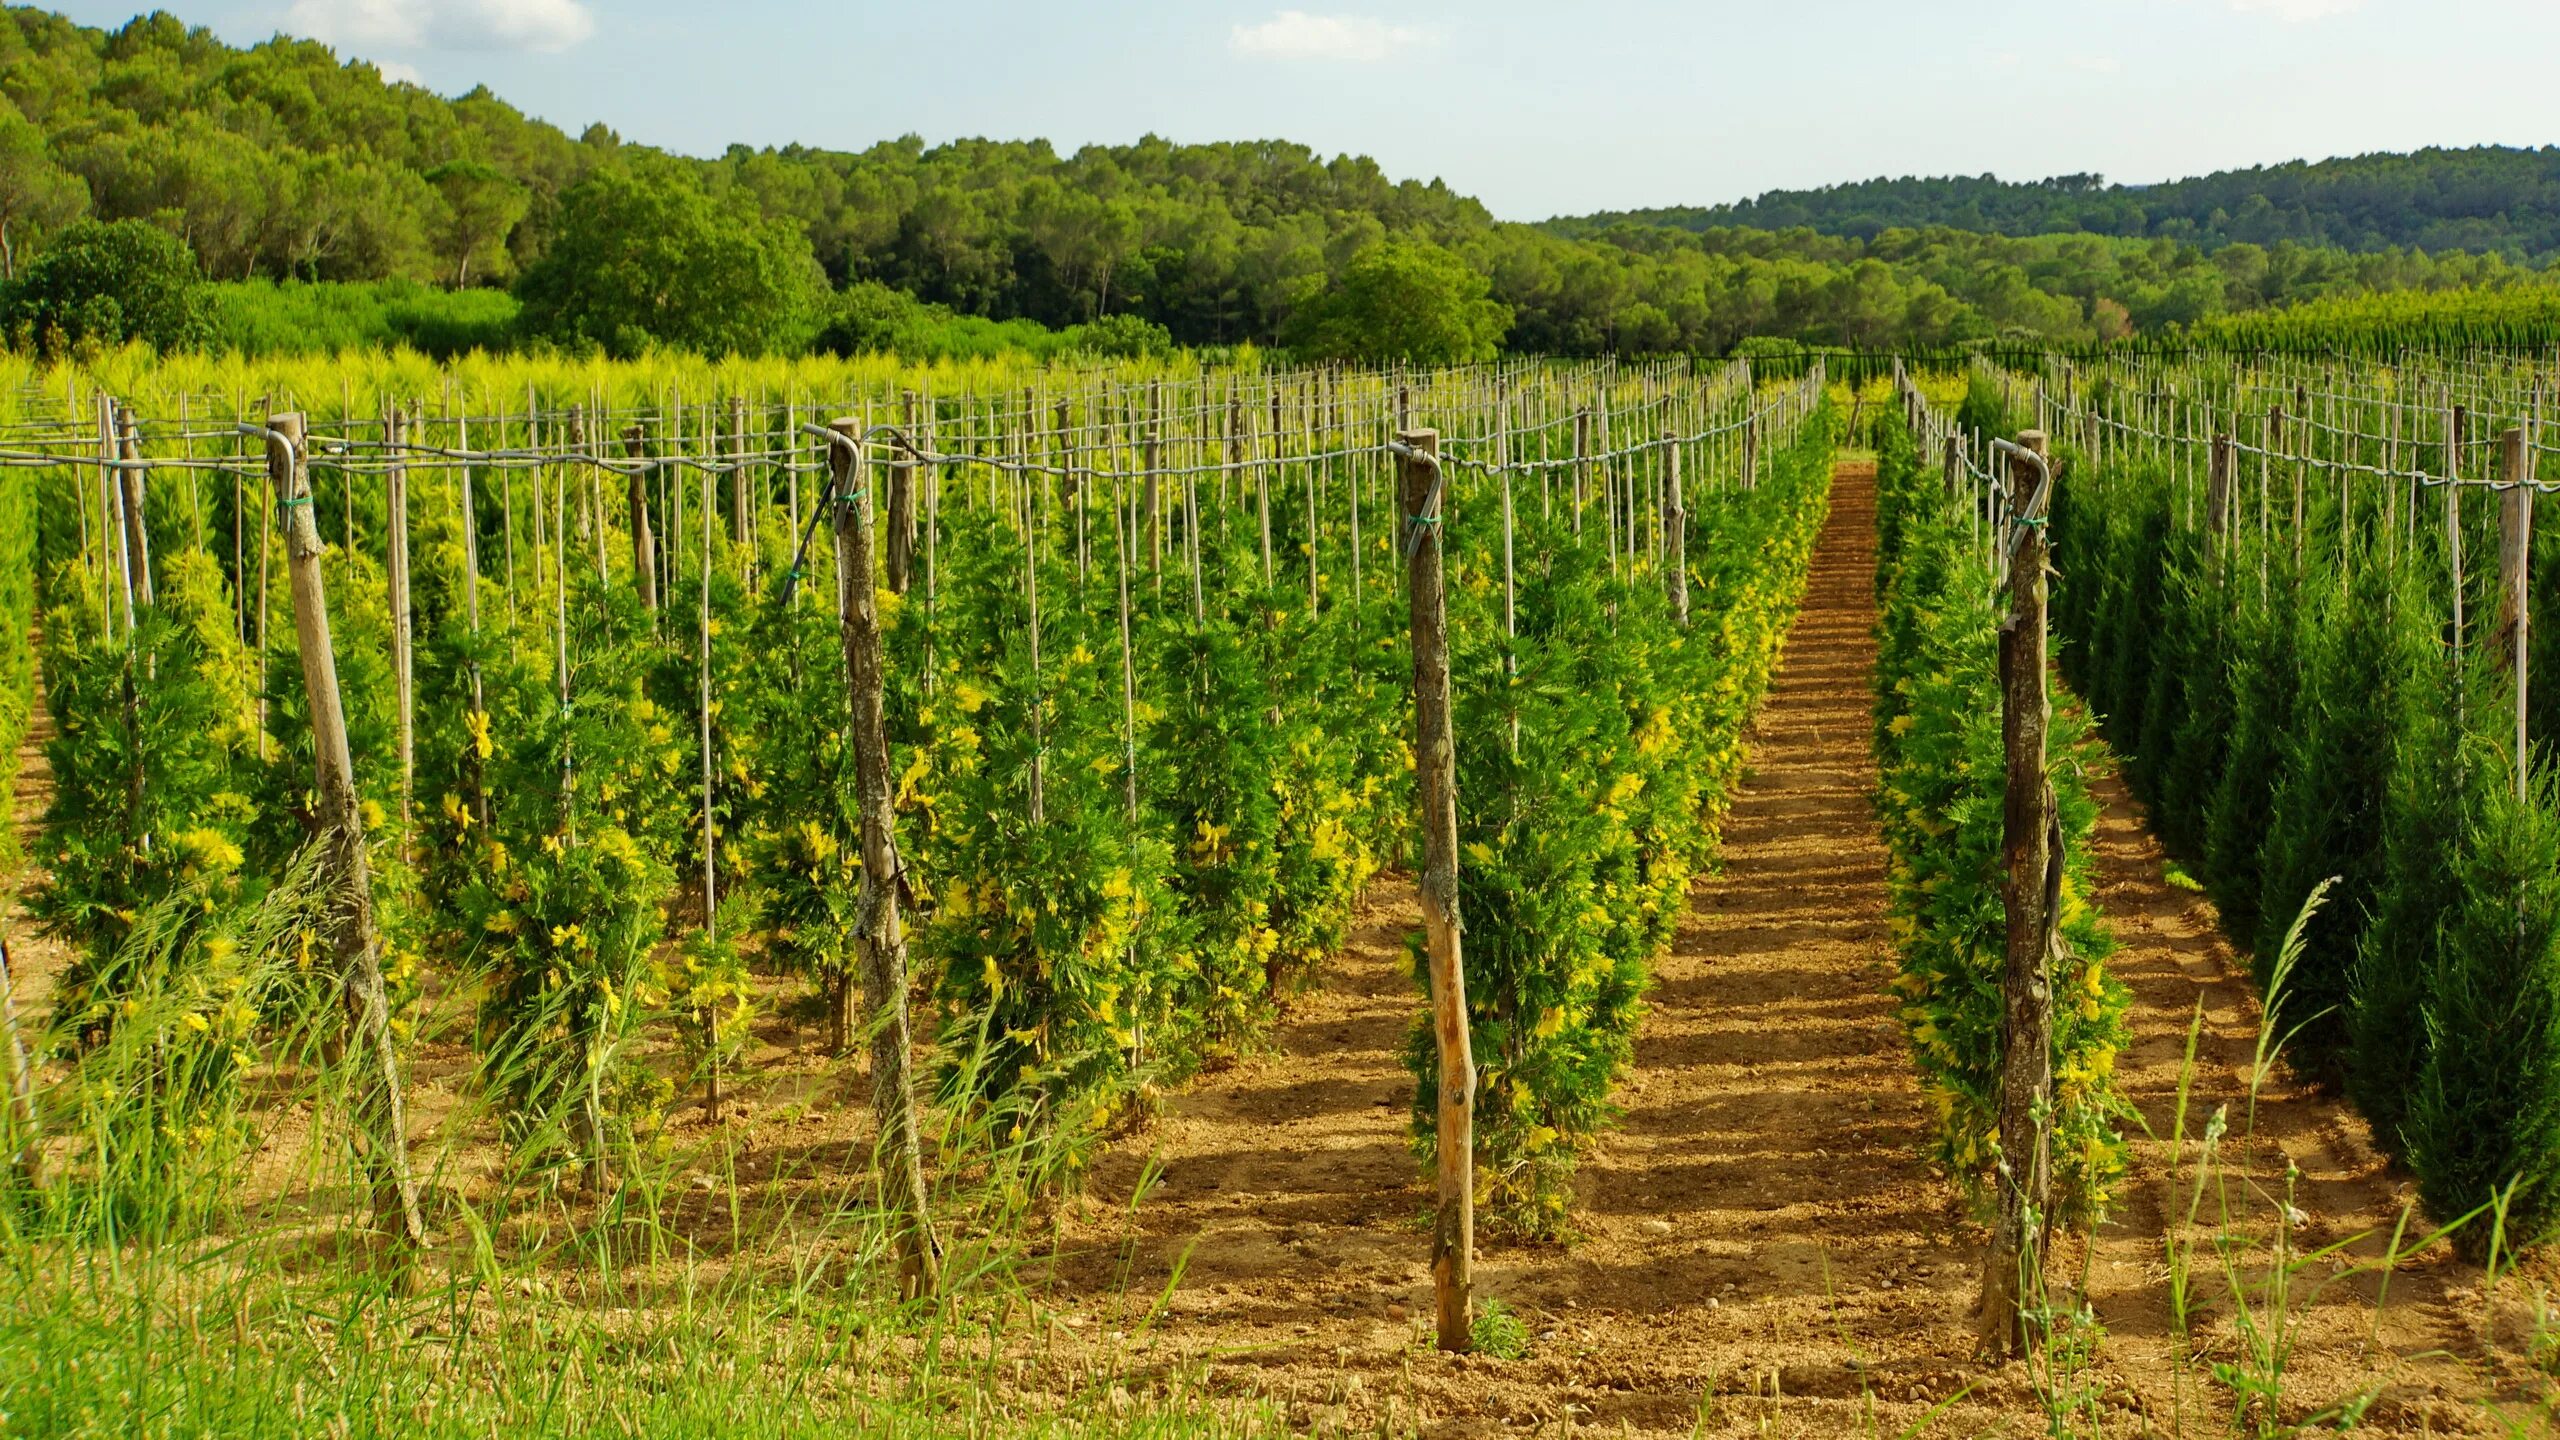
(644, 257)
(108, 283)
(1408, 301)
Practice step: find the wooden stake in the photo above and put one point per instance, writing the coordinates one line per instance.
(2515, 545)
(382, 1122)
(22, 1089)
(644, 545)
(403, 624)
(2217, 498)
(2031, 854)
(1675, 525)
(131, 495)
(902, 499)
(883, 942)
(2455, 425)
(1435, 770)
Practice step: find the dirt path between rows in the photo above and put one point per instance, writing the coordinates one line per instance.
(1764, 1251)
(1763, 1246)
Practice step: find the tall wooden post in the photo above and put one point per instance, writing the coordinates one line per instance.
(902, 498)
(382, 1124)
(1435, 771)
(2456, 423)
(2030, 884)
(2515, 544)
(1581, 463)
(884, 942)
(22, 1090)
(741, 505)
(395, 437)
(1675, 526)
(1153, 462)
(644, 545)
(2217, 500)
(131, 498)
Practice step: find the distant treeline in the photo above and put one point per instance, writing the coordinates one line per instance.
(2489, 199)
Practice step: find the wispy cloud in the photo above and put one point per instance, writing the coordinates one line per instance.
(1347, 39)
(2085, 64)
(540, 25)
(2297, 12)
(400, 72)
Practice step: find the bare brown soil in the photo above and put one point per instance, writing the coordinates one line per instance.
(2412, 1351)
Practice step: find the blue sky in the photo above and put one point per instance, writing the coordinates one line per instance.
(1537, 108)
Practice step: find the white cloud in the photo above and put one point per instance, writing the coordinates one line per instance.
(1353, 39)
(2297, 12)
(543, 25)
(2094, 64)
(400, 73)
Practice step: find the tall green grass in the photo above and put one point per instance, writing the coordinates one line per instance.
(295, 317)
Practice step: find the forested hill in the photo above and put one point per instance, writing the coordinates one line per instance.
(280, 165)
(2488, 199)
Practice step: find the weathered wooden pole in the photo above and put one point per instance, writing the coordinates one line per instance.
(644, 545)
(22, 1089)
(1581, 463)
(883, 941)
(382, 1124)
(902, 499)
(131, 497)
(2456, 423)
(2515, 544)
(2217, 500)
(2030, 881)
(741, 506)
(1153, 462)
(404, 660)
(1675, 525)
(1435, 771)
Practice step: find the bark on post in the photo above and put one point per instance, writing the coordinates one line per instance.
(1154, 499)
(741, 507)
(1581, 463)
(644, 546)
(22, 1089)
(1435, 771)
(1675, 526)
(404, 661)
(2031, 872)
(883, 941)
(2217, 498)
(2456, 424)
(2515, 544)
(382, 1125)
(902, 499)
(130, 496)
